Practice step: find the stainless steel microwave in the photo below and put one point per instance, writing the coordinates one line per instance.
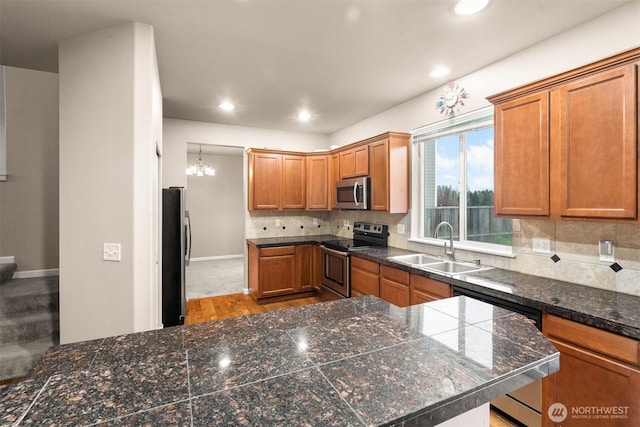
(353, 193)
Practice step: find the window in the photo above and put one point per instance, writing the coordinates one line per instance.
(455, 176)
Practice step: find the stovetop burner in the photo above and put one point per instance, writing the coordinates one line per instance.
(365, 235)
(347, 245)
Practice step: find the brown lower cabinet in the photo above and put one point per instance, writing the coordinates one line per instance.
(424, 289)
(281, 270)
(394, 286)
(599, 378)
(365, 277)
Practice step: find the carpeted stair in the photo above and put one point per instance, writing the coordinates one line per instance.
(6, 271)
(29, 323)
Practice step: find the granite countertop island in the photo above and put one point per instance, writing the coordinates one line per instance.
(351, 362)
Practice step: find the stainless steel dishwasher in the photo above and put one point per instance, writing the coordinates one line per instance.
(524, 404)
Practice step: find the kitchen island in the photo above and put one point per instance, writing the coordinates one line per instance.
(358, 361)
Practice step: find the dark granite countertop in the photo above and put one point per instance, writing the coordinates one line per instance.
(357, 362)
(604, 309)
(267, 242)
(608, 310)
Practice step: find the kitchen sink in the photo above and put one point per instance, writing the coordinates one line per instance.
(416, 259)
(437, 265)
(453, 267)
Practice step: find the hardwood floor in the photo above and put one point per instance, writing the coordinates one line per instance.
(222, 307)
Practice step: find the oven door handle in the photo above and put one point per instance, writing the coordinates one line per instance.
(333, 251)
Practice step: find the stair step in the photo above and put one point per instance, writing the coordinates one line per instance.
(6, 271)
(25, 327)
(18, 359)
(33, 294)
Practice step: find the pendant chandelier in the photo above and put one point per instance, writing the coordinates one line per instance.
(199, 168)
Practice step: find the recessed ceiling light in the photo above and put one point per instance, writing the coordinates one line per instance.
(439, 71)
(469, 7)
(304, 116)
(227, 106)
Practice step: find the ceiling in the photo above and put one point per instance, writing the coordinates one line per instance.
(342, 60)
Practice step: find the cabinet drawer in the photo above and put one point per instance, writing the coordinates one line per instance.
(363, 264)
(398, 276)
(588, 337)
(279, 250)
(430, 286)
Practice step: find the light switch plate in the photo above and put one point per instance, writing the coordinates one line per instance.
(111, 252)
(541, 246)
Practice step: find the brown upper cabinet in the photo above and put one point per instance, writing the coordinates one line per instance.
(286, 180)
(318, 179)
(566, 147)
(389, 158)
(276, 180)
(354, 162)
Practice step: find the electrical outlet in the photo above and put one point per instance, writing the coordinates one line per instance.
(111, 252)
(607, 251)
(315, 221)
(345, 222)
(400, 228)
(541, 246)
(277, 223)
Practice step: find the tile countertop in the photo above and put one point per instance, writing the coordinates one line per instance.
(358, 362)
(604, 309)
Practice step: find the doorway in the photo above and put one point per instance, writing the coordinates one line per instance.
(215, 201)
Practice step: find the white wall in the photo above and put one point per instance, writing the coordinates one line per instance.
(574, 242)
(179, 132)
(110, 117)
(614, 32)
(29, 197)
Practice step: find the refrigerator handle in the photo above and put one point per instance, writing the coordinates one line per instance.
(188, 238)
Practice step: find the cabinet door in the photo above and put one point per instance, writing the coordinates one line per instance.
(598, 148)
(335, 177)
(424, 289)
(277, 271)
(293, 182)
(317, 267)
(365, 277)
(304, 265)
(394, 286)
(394, 292)
(379, 176)
(361, 160)
(521, 156)
(347, 164)
(587, 382)
(265, 181)
(318, 182)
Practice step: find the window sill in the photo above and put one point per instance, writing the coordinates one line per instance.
(507, 252)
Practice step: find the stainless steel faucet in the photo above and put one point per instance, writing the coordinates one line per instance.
(449, 252)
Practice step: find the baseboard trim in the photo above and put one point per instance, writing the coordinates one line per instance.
(36, 273)
(215, 258)
(7, 259)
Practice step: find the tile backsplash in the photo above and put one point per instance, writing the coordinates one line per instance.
(574, 244)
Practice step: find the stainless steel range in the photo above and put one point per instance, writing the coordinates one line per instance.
(335, 257)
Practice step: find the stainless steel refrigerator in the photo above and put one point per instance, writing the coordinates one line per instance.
(176, 250)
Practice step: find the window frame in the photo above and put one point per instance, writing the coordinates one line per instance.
(462, 123)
